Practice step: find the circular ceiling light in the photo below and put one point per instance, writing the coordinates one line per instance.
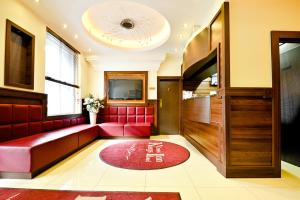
(126, 25)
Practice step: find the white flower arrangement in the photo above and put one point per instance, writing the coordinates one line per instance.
(93, 104)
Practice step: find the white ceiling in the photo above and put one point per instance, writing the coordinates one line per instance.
(182, 15)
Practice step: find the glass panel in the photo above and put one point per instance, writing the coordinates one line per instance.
(52, 58)
(67, 99)
(52, 88)
(61, 64)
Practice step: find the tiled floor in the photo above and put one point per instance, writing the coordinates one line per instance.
(196, 179)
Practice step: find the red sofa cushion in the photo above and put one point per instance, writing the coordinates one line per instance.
(20, 113)
(137, 129)
(111, 129)
(31, 153)
(47, 126)
(19, 130)
(35, 113)
(6, 113)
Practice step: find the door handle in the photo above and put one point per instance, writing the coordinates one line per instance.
(160, 103)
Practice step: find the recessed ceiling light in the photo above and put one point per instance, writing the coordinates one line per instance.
(76, 36)
(89, 50)
(65, 26)
(185, 25)
(37, 1)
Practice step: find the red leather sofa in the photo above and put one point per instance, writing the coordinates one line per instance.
(29, 145)
(126, 121)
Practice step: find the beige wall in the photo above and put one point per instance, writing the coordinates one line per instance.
(171, 66)
(250, 40)
(14, 11)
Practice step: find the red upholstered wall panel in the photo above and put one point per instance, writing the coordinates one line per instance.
(48, 126)
(149, 110)
(57, 124)
(129, 114)
(131, 110)
(5, 133)
(6, 113)
(20, 113)
(35, 113)
(113, 110)
(140, 110)
(73, 122)
(113, 118)
(122, 110)
(149, 119)
(80, 120)
(35, 127)
(140, 118)
(19, 130)
(122, 119)
(131, 119)
(67, 122)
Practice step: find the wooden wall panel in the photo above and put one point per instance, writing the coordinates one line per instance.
(205, 136)
(216, 110)
(197, 109)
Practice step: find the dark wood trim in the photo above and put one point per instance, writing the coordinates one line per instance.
(62, 40)
(247, 92)
(226, 39)
(7, 81)
(60, 82)
(276, 38)
(170, 78)
(126, 102)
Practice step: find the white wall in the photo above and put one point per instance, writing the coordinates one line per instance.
(250, 40)
(171, 66)
(17, 13)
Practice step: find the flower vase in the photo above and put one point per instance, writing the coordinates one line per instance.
(93, 118)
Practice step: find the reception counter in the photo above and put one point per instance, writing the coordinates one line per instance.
(201, 125)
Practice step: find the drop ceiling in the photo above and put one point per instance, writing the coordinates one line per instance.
(65, 18)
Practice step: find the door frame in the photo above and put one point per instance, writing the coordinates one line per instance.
(276, 38)
(170, 78)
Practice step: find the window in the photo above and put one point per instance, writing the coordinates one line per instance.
(61, 77)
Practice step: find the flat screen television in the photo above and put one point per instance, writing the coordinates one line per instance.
(125, 89)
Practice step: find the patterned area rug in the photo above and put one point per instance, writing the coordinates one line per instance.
(30, 194)
(144, 154)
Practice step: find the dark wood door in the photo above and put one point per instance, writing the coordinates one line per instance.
(169, 106)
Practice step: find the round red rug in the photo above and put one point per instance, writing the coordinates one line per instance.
(144, 154)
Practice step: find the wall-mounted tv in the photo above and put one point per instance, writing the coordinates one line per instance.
(125, 89)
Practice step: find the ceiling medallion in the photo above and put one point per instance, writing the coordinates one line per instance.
(126, 25)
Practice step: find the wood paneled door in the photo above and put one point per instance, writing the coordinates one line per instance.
(169, 94)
